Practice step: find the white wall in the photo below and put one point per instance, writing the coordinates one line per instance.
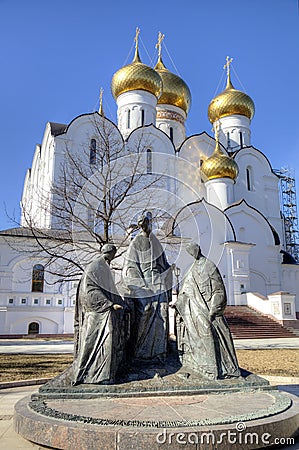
(53, 308)
(264, 190)
(171, 117)
(290, 281)
(264, 260)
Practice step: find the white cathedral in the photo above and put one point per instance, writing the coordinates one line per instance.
(222, 193)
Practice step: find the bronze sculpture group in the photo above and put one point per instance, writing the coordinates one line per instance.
(111, 332)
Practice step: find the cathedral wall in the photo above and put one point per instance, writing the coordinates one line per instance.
(36, 194)
(234, 131)
(135, 109)
(152, 138)
(195, 150)
(52, 308)
(290, 281)
(197, 147)
(210, 228)
(258, 185)
(264, 256)
(171, 120)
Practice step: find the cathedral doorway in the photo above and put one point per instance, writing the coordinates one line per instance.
(33, 328)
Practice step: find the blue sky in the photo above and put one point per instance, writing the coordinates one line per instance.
(55, 55)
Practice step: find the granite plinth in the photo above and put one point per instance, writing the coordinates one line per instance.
(247, 420)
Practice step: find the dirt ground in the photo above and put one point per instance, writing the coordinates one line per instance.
(25, 367)
(281, 362)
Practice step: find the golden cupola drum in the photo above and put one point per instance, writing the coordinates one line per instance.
(219, 165)
(175, 91)
(230, 102)
(136, 76)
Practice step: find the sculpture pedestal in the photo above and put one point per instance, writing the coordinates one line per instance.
(172, 412)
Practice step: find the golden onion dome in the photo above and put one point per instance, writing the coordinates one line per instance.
(136, 76)
(230, 101)
(219, 165)
(175, 91)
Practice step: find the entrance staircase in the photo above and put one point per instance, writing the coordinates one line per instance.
(246, 323)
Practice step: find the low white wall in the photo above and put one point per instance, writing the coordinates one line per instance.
(258, 302)
(280, 305)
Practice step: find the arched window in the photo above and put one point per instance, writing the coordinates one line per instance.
(241, 139)
(38, 278)
(228, 139)
(249, 178)
(142, 117)
(242, 234)
(128, 119)
(33, 328)
(200, 164)
(149, 161)
(93, 151)
(171, 134)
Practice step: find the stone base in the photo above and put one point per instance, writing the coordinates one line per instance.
(150, 380)
(235, 420)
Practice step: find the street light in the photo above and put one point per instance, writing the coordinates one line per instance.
(177, 272)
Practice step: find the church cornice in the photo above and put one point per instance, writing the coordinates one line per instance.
(204, 201)
(233, 155)
(242, 202)
(193, 135)
(151, 125)
(95, 113)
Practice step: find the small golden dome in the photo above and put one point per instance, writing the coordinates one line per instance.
(136, 76)
(175, 91)
(230, 101)
(219, 165)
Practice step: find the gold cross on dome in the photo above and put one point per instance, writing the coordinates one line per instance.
(136, 37)
(227, 65)
(101, 101)
(159, 43)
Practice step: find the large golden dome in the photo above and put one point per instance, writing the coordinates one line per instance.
(229, 102)
(175, 91)
(136, 76)
(219, 165)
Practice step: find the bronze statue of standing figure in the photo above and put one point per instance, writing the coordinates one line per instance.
(148, 279)
(99, 323)
(203, 336)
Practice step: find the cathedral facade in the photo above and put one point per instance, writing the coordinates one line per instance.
(219, 191)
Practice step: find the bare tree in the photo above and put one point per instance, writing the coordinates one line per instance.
(102, 186)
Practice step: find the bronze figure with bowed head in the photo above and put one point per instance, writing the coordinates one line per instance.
(204, 339)
(99, 320)
(148, 278)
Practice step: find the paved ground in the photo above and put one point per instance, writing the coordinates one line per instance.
(247, 344)
(35, 346)
(66, 346)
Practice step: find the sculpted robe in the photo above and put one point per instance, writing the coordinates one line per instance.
(99, 328)
(205, 345)
(147, 276)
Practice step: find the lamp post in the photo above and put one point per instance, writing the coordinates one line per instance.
(173, 313)
(177, 272)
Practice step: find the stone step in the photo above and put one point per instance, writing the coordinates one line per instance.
(245, 322)
(293, 330)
